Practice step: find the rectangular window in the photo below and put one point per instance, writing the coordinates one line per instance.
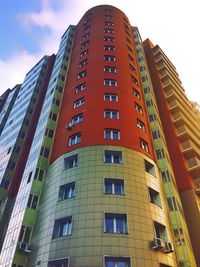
(85, 36)
(83, 63)
(146, 90)
(138, 108)
(108, 17)
(136, 93)
(171, 201)
(66, 191)
(142, 68)
(117, 262)
(112, 134)
(166, 176)
(116, 223)
(109, 47)
(149, 103)
(108, 30)
(150, 168)
(132, 68)
(44, 152)
(79, 102)
(110, 69)
(160, 231)
(109, 82)
(160, 153)
(154, 197)
(108, 23)
(130, 58)
(59, 263)
(134, 80)
(144, 145)
(114, 186)
(62, 227)
(77, 119)
(129, 48)
(71, 162)
(85, 44)
(25, 234)
(111, 114)
(155, 134)
(80, 87)
(81, 74)
(32, 201)
(140, 59)
(141, 125)
(144, 79)
(152, 117)
(111, 97)
(109, 39)
(112, 156)
(85, 52)
(109, 58)
(74, 139)
(49, 133)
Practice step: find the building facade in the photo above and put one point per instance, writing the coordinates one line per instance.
(94, 182)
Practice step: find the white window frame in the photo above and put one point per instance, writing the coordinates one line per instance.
(112, 133)
(144, 145)
(109, 48)
(110, 69)
(77, 119)
(80, 87)
(76, 138)
(138, 108)
(110, 58)
(110, 97)
(125, 223)
(110, 82)
(141, 125)
(79, 102)
(111, 112)
(113, 180)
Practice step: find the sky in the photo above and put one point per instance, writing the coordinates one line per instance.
(30, 29)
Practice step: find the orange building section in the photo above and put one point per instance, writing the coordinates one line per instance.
(183, 178)
(90, 34)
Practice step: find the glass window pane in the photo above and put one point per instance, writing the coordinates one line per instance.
(108, 187)
(116, 159)
(109, 225)
(121, 264)
(120, 227)
(108, 158)
(118, 189)
(110, 263)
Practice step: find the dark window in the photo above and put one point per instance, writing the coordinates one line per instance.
(111, 97)
(109, 58)
(49, 132)
(166, 176)
(111, 114)
(138, 108)
(130, 58)
(117, 262)
(44, 152)
(136, 93)
(62, 227)
(108, 23)
(144, 145)
(25, 234)
(116, 223)
(109, 39)
(160, 153)
(59, 263)
(66, 191)
(134, 80)
(152, 117)
(149, 103)
(83, 63)
(110, 69)
(110, 82)
(171, 201)
(74, 139)
(85, 52)
(77, 119)
(156, 134)
(108, 30)
(146, 90)
(109, 47)
(150, 168)
(82, 74)
(132, 68)
(71, 162)
(32, 201)
(85, 44)
(112, 134)
(114, 186)
(79, 102)
(141, 125)
(85, 36)
(39, 174)
(80, 87)
(112, 156)
(154, 197)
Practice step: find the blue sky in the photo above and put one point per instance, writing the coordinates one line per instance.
(30, 29)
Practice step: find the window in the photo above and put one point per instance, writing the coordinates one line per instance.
(134, 80)
(79, 102)
(39, 174)
(160, 153)
(171, 201)
(108, 17)
(111, 114)
(132, 68)
(108, 11)
(114, 186)
(152, 117)
(112, 156)
(179, 236)
(82, 74)
(144, 145)
(44, 152)
(74, 139)
(112, 134)
(166, 176)
(150, 168)
(53, 116)
(154, 197)
(146, 90)
(155, 134)
(62, 227)
(32, 201)
(140, 59)
(141, 125)
(85, 36)
(66, 191)
(109, 47)
(149, 103)
(109, 39)
(130, 58)
(129, 48)
(59, 263)
(127, 33)
(108, 30)
(142, 68)
(49, 132)
(85, 44)
(136, 93)
(111, 97)
(83, 63)
(85, 52)
(77, 119)
(80, 87)
(128, 40)
(110, 69)
(24, 234)
(109, 58)
(117, 262)
(108, 23)
(109, 82)
(71, 162)
(116, 223)
(138, 108)
(160, 231)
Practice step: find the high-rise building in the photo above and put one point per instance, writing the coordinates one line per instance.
(100, 155)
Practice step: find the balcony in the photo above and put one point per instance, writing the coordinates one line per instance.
(189, 149)
(169, 94)
(194, 167)
(177, 119)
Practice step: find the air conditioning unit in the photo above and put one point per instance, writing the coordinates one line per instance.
(69, 126)
(157, 244)
(168, 247)
(23, 246)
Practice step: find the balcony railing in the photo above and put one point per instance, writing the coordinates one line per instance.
(194, 167)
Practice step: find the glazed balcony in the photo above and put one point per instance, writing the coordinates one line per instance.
(194, 167)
